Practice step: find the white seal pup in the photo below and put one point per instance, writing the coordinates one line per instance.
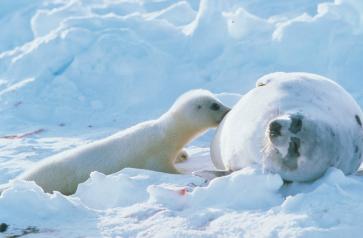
(150, 145)
(294, 124)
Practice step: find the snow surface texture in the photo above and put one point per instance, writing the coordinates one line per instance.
(78, 70)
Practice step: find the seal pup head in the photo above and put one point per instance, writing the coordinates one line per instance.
(295, 144)
(199, 109)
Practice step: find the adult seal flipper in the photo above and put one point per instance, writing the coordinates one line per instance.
(211, 174)
(294, 124)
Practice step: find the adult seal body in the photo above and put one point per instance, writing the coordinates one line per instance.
(294, 124)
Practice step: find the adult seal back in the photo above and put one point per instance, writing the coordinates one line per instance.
(294, 124)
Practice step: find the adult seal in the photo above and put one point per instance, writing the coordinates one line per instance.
(294, 124)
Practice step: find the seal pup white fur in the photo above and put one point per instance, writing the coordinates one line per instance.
(294, 124)
(150, 145)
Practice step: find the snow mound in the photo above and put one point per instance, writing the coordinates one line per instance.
(237, 194)
(127, 187)
(116, 60)
(246, 189)
(331, 208)
(137, 202)
(25, 206)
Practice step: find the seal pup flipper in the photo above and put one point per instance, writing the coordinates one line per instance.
(182, 156)
(211, 174)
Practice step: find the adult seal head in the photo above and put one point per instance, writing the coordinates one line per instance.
(294, 124)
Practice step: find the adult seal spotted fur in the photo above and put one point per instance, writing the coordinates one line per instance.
(294, 124)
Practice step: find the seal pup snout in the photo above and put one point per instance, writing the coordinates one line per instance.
(225, 111)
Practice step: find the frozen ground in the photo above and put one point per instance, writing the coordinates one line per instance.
(74, 71)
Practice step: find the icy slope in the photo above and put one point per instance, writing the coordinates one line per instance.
(73, 71)
(111, 63)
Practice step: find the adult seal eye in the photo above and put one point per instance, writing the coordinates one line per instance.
(215, 107)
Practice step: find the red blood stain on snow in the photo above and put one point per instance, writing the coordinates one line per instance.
(182, 191)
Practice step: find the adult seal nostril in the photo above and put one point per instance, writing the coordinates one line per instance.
(275, 129)
(296, 123)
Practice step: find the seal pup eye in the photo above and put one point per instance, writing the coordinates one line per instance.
(199, 107)
(215, 107)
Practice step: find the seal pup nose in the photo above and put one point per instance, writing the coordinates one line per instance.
(275, 129)
(226, 111)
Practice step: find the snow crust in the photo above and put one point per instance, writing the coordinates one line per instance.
(74, 71)
(136, 202)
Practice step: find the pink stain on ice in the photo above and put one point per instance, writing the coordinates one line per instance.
(182, 191)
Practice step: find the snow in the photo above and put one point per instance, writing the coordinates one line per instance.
(252, 204)
(76, 71)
